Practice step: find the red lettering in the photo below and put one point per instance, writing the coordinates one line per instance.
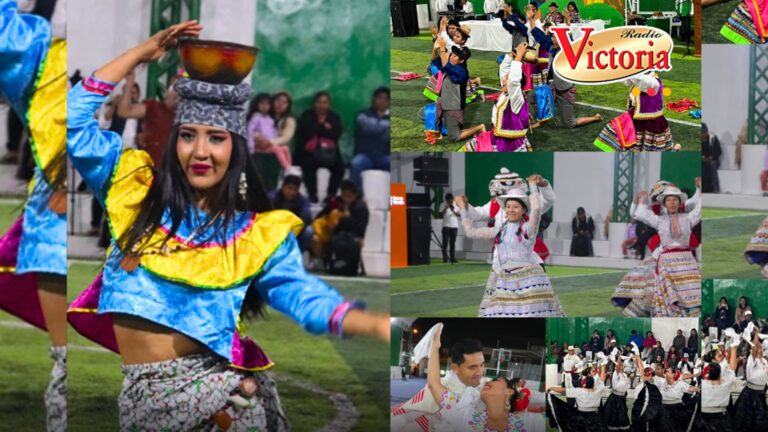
(565, 44)
(600, 64)
(625, 60)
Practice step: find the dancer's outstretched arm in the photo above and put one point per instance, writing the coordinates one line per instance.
(644, 213)
(433, 368)
(150, 50)
(471, 231)
(535, 214)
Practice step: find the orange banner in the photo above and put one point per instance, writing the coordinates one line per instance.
(398, 226)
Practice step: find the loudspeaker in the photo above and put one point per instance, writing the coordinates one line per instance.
(416, 200)
(430, 171)
(419, 231)
(405, 21)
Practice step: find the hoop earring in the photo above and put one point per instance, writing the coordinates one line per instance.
(242, 186)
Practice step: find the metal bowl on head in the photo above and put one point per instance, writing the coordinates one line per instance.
(216, 61)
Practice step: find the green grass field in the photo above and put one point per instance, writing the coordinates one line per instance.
(444, 290)
(726, 233)
(714, 18)
(357, 368)
(412, 55)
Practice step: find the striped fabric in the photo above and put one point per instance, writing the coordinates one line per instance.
(757, 249)
(678, 291)
(635, 291)
(521, 292)
(608, 140)
(740, 28)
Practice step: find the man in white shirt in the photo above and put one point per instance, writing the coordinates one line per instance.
(451, 217)
(491, 8)
(468, 8)
(467, 370)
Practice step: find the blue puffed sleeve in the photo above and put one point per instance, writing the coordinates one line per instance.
(287, 287)
(93, 152)
(24, 42)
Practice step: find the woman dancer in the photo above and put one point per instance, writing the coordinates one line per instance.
(465, 414)
(678, 278)
(614, 411)
(716, 388)
(195, 250)
(635, 291)
(757, 249)
(33, 270)
(585, 416)
(750, 410)
(645, 111)
(510, 116)
(675, 414)
(518, 285)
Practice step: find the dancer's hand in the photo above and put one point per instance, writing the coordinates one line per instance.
(642, 196)
(461, 201)
(507, 9)
(520, 51)
(164, 40)
(697, 181)
(441, 43)
(436, 338)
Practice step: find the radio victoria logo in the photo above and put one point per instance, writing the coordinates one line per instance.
(611, 55)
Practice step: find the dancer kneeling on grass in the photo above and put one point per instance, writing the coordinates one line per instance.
(678, 276)
(195, 250)
(757, 249)
(518, 285)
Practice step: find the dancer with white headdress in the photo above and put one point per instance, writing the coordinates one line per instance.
(678, 275)
(518, 285)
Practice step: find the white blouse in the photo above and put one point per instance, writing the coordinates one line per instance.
(587, 400)
(663, 224)
(757, 371)
(619, 382)
(717, 395)
(513, 250)
(671, 393)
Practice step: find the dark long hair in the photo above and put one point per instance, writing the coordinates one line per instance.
(171, 190)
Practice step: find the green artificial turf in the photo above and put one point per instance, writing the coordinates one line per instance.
(456, 290)
(714, 18)
(725, 235)
(412, 55)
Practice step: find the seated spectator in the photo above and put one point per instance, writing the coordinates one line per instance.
(636, 338)
(289, 198)
(372, 128)
(693, 344)
(318, 131)
(583, 232)
(339, 229)
(649, 342)
(710, 161)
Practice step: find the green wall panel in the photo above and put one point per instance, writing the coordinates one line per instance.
(754, 289)
(396, 337)
(340, 46)
(681, 168)
(480, 168)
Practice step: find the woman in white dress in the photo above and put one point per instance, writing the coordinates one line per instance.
(490, 409)
(614, 411)
(678, 276)
(518, 287)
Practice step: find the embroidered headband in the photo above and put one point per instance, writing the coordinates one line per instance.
(215, 105)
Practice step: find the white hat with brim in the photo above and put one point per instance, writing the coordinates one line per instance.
(672, 191)
(571, 348)
(517, 194)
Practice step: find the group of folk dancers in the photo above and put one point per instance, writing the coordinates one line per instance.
(531, 93)
(667, 284)
(705, 396)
